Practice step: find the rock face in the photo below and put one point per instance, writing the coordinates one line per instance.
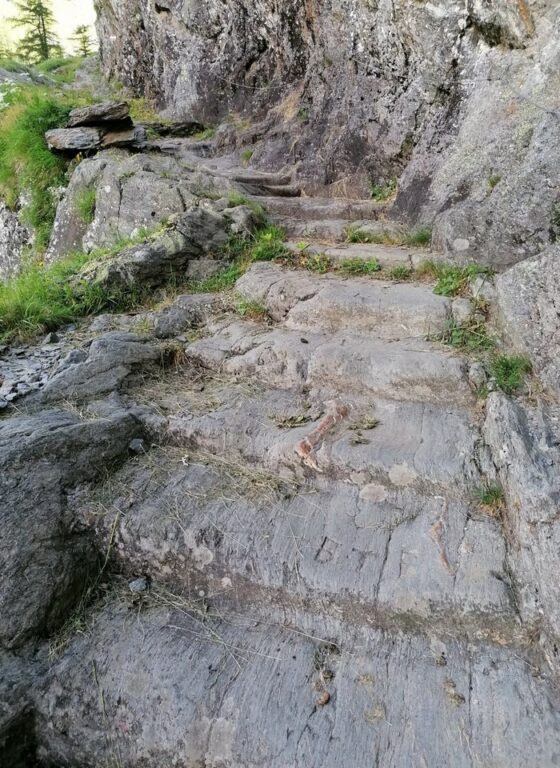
(529, 307)
(13, 238)
(455, 99)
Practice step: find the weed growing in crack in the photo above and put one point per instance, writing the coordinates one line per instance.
(509, 372)
(359, 266)
(491, 496)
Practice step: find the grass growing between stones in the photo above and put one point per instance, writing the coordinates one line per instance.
(359, 267)
(470, 336)
(491, 497)
(44, 298)
(509, 372)
(452, 280)
(416, 238)
(86, 205)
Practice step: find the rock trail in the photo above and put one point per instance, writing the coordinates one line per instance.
(323, 588)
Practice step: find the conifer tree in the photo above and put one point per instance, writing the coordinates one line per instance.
(39, 42)
(82, 40)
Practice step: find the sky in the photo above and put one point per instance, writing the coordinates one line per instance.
(68, 13)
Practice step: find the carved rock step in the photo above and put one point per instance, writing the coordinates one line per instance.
(328, 302)
(179, 688)
(314, 208)
(329, 229)
(385, 558)
(400, 446)
(340, 362)
(386, 255)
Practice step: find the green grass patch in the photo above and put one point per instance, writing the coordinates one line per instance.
(470, 336)
(27, 167)
(359, 266)
(491, 496)
(205, 135)
(246, 156)
(382, 192)
(14, 65)
(509, 372)
(269, 245)
(401, 272)
(44, 298)
(452, 280)
(86, 205)
(418, 238)
(319, 263)
(252, 310)
(60, 69)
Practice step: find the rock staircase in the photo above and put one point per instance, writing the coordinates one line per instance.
(315, 584)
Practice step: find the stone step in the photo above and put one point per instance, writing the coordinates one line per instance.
(332, 230)
(260, 178)
(328, 302)
(396, 559)
(381, 446)
(311, 209)
(291, 190)
(341, 362)
(161, 676)
(387, 256)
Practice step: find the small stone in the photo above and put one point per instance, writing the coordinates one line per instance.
(461, 310)
(51, 338)
(137, 446)
(323, 699)
(139, 585)
(477, 375)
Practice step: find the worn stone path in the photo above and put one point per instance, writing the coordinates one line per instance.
(314, 582)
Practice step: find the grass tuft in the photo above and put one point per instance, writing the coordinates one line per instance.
(470, 336)
(86, 205)
(359, 266)
(382, 192)
(491, 496)
(509, 372)
(452, 280)
(401, 272)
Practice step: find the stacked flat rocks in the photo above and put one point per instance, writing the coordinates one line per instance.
(95, 127)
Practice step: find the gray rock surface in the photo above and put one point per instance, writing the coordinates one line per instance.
(220, 683)
(110, 359)
(42, 457)
(13, 239)
(456, 100)
(528, 304)
(73, 139)
(106, 111)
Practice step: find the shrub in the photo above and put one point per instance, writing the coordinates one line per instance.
(382, 192)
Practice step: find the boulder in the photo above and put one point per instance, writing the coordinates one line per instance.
(43, 570)
(105, 112)
(73, 139)
(110, 359)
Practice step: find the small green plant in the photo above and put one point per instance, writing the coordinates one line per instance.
(452, 280)
(359, 266)
(86, 205)
(235, 199)
(494, 180)
(221, 281)
(418, 238)
(382, 192)
(206, 135)
(303, 115)
(491, 496)
(252, 310)
(509, 372)
(470, 336)
(317, 262)
(246, 156)
(401, 272)
(355, 235)
(269, 245)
